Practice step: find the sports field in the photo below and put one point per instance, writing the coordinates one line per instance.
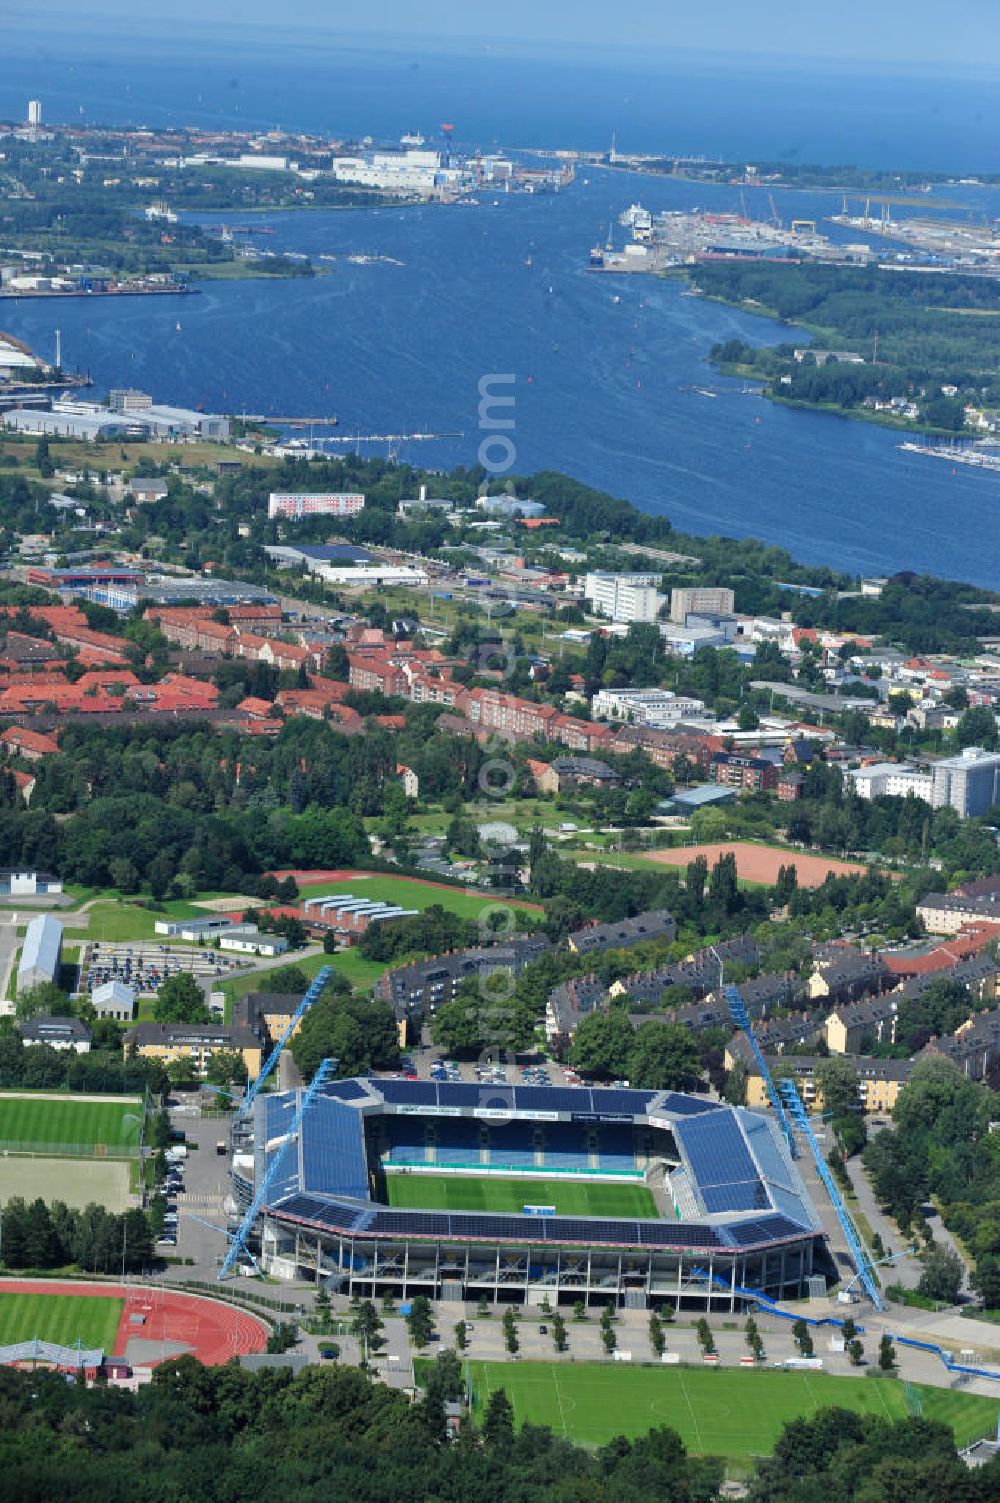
(62, 1318)
(761, 863)
(734, 1412)
(82, 1122)
(408, 892)
(449, 1192)
(77, 1182)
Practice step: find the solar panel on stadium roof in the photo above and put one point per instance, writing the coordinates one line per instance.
(577, 1229)
(308, 1208)
(452, 1093)
(677, 1234)
(333, 1149)
(767, 1229)
(687, 1106)
(634, 1103)
(409, 1223)
(723, 1168)
(408, 1092)
(550, 1099)
(513, 1228)
(346, 1090)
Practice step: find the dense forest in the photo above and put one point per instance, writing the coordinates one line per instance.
(210, 1434)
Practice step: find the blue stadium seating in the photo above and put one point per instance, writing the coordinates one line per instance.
(333, 1148)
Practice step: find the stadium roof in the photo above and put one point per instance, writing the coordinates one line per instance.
(47, 1351)
(746, 1190)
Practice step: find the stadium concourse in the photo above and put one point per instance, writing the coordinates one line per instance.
(566, 1193)
(157, 1324)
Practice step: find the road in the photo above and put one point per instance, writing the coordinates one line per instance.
(8, 950)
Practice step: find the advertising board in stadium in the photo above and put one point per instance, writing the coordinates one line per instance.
(601, 1117)
(539, 1210)
(408, 1110)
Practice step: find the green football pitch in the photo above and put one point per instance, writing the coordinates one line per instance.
(735, 1412)
(65, 1319)
(67, 1122)
(571, 1197)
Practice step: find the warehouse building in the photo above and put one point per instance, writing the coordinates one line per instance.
(41, 954)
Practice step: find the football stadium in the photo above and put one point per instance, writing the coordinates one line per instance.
(522, 1192)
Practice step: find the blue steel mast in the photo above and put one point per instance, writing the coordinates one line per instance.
(740, 1016)
(311, 996)
(858, 1251)
(245, 1227)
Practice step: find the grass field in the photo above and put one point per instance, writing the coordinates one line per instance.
(449, 1192)
(78, 1182)
(51, 1121)
(412, 893)
(61, 1318)
(736, 1413)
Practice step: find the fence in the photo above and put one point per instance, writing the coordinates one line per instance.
(30, 1149)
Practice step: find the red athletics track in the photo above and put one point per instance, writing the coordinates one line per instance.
(211, 1330)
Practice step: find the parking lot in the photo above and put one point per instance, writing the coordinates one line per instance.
(146, 966)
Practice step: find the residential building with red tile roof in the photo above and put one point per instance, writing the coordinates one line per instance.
(31, 745)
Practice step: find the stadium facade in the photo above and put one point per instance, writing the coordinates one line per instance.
(732, 1210)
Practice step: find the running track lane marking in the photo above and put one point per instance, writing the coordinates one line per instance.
(694, 1417)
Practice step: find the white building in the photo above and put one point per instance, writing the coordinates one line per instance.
(889, 780)
(624, 597)
(57, 1033)
(41, 953)
(375, 576)
(34, 112)
(114, 1000)
(247, 939)
(294, 504)
(970, 782)
(658, 708)
(27, 884)
(700, 600)
(685, 640)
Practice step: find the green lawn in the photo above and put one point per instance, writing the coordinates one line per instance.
(449, 1192)
(415, 894)
(46, 1121)
(61, 1318)
(737, 1413)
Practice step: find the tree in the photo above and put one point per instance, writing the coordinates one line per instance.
(855, 1352)
(367, 1326)
(886, 1354)
(838, 1081)
(663, 1057)
(579, 1310)
(609, 1336)
(226, 1068)
(498, 1422)
(849, 1329)
(289, 979)
(461, 1335)
(657, 1340)
(44, 998)
(559, 1335)
(602, 1042)
(510, 1332)
(181, 1000)
(321, 1308)
(705, 1338)
(977, 727)
(420, 1320)
(942, 1274)
(802, 1338)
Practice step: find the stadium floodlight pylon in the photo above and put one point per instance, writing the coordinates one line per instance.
(856, 1247)
(740, 1016)
(270, 1064)
(242, 1233)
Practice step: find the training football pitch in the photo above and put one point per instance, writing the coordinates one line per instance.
(61, 1318)
(571, 1197)
(111, 1124)
(736, 1413)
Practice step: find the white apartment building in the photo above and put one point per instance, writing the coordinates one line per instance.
(700, 600)
(657, 708)
(294, 504)
(624, 597)
(970, 782)
(889, 780)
